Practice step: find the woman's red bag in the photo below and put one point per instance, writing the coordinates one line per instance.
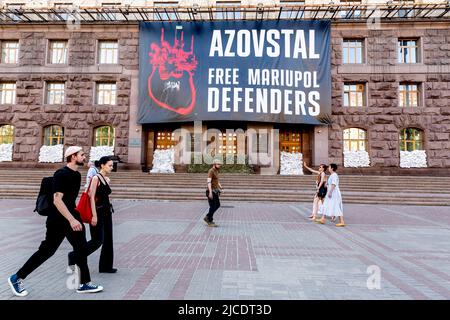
(84, 206)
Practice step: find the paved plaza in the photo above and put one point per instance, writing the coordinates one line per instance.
(163, 250)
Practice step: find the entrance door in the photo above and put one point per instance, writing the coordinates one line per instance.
(291, 141)
(164, 139)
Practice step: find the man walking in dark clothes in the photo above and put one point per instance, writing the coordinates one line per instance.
(213, 192)
(63, 222)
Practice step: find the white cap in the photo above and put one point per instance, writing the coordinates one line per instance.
(217, 161)
(71, 150)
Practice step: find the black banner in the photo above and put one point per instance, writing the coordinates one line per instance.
(265, 71)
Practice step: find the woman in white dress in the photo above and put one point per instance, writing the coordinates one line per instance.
(332, 205)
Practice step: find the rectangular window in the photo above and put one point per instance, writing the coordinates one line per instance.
(106, 93)
(409, 95)
(229, 10)
(355, 139)
(55, 92)
(353, 50)
(8, 93)
(291, 141)
(408, 50)
(354, 95)
(165, 10)
(290, 11)
(10, 52)
(57, 52)
(108, 52)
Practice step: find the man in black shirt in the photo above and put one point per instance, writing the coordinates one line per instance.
(63, 222)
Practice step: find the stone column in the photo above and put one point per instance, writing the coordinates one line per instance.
(135, 144)
(320, 145)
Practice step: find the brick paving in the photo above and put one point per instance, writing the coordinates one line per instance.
(163, 250)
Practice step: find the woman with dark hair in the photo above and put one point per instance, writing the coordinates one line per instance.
(321, 188)
(332, 205)
(101, 224)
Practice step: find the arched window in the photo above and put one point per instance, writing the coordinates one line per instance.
(104, 136)
(53, 135)
(355, 139)
(411, 139)
(6, 134)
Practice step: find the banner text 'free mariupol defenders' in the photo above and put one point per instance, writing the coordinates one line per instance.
(267, 71)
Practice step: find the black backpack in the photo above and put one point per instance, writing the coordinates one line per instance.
(44, 201)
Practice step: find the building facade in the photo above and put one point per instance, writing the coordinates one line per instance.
(77, 83)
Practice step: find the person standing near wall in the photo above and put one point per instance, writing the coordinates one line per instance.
(321, 188)
(213, 192)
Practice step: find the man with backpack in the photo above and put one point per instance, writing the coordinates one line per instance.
(63, 221)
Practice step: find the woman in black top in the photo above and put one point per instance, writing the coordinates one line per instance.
(321, 188)
(101, 224)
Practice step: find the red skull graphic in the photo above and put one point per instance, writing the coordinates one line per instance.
(171, 77)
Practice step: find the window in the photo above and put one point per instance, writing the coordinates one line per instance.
(409, 95)
(353, 50)
(165, 139)
(291, 141)
(354, 95)
(355, 139)
(10, 51)
(228, 10)
(165, 10)
(290, 11)
(6, 134)
(350, 14)
(408, 50)
(57, 52)
(106, 93)
(55, 92)
(104, 136)
(108, 52)
(411, 139)
(8, 93)
(231, 139)
(53, 135)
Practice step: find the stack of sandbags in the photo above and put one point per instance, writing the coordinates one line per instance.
(51, 153)
(6, 152)
(413, 159)
(163, 161)
(291, 163)
(98, 152)
(356, 159)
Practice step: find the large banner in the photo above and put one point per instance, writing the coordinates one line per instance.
(265, 71)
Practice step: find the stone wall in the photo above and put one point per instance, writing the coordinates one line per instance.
(383, 118)
(79, 115)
